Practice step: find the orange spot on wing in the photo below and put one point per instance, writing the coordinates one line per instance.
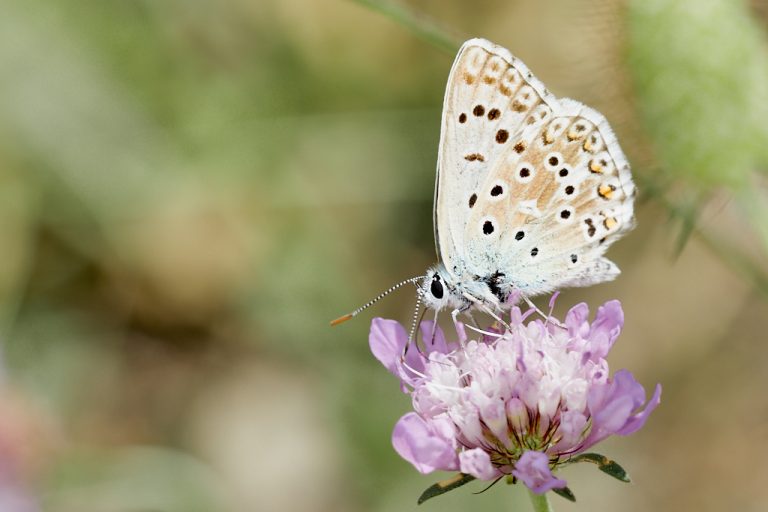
(606, 191)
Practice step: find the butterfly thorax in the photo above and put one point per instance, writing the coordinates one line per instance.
(461, 289)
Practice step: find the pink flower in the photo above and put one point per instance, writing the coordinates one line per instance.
(519, 403)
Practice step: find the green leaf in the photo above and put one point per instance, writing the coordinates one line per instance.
(604, 464)
(566, 493)
(445, 486)
(616, 471)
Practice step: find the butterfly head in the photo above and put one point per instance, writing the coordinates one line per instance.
(437, 290)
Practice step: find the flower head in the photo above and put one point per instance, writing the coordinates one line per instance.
(519, 402)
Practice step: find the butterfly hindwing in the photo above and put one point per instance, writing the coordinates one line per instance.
(558, 195)
(490, 98)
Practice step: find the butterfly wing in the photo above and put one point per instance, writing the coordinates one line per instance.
(489, 97)
(559, 194)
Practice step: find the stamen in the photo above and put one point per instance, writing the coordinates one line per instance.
(551, 308)
(547, 318)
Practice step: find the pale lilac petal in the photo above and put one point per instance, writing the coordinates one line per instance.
(444, 428)
(533, 470)
(515, 316)
(387, 340)
(553, 300)
(433, 342)
(429, 446)
(513, 297)
(609, 318)
(517, 414)
(468, 421)
(605, 329)
(614, 413)
(572, 425)
(576, 320)
(528, 312)
(477, 463)
(613, 407)
(637, 421)
(494, 415)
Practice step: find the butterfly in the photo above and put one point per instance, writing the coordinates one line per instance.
(531, 189)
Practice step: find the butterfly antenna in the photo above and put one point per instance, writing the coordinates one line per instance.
(415, 321)
(370, 303)
(412, 340)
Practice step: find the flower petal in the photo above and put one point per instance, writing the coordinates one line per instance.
(576, 320)
(477, 463)
(609, 318)
(553, 300)
(613, 404)
(605, 329)
(637, 421)
(387, 340)
(572, 425)
(428, 445)
(433, 342)
(533, 470)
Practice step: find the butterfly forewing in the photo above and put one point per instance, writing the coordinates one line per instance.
(559, 194)
(490, 99)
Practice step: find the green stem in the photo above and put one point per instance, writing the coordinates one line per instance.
(415, 22)
(540, 502)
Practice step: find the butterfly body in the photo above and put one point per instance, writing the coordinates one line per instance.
(530, 190)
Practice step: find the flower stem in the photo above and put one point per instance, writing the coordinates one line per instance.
(540, 502)
(415, 22)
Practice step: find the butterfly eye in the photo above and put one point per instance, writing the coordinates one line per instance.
(436, 287)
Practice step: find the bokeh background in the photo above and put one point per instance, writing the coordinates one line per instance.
(190, 190)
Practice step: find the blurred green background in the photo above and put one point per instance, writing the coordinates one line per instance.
(190, 190)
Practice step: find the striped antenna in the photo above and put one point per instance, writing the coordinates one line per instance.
(370, 303)
(414, 323)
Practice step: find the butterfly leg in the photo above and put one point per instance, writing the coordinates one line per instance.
(474, 320)
(480, 304)
(433, 332)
